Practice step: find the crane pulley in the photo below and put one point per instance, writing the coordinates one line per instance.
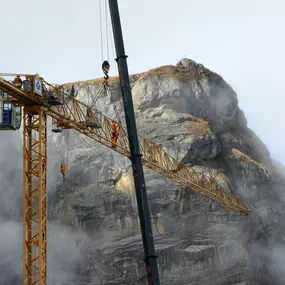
(106, 69)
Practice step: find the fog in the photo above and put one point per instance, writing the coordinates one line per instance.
(66, 248)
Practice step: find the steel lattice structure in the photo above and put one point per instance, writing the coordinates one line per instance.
(72, 114)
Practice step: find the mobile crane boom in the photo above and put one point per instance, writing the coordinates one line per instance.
(136, 156)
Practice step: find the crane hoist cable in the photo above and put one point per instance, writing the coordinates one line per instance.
(107, 28)
(106, 69)
(105, 64)
(99, 93)
(109, 33)
(106, 88)
(109, 93)
(101, 31)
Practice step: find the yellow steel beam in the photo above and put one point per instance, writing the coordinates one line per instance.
(23, 97)
(8, 99)
(73, 114)
(34, 196)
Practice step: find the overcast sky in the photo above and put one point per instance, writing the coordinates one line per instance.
(242, 40)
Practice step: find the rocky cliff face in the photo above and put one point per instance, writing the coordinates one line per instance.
(192, 113)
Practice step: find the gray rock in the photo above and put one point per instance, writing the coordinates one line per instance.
(194, 114)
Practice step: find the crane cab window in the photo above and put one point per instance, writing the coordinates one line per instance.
(7, 106)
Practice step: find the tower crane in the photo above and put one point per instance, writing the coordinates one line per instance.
(39, 99)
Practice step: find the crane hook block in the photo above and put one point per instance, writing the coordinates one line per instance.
(64, 168)
(106, 68)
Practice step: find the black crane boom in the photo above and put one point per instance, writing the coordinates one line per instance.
(137, 166)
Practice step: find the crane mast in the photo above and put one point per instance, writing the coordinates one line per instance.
(135, 155)
(35, 196)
